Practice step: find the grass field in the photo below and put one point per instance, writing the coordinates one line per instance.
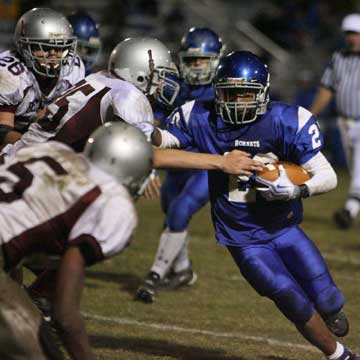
(220, 317)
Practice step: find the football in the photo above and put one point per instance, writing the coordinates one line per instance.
(295, 172)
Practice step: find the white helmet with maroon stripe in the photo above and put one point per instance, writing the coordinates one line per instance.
(42, 32)
(147, 64)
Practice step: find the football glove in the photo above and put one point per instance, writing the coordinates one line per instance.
(280, 189)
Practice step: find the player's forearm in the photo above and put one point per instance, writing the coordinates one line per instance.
(322, 99)
(69, 285)
(236, 162)
(323, 177)
(76, 340)
(175, 159)
(12, 137)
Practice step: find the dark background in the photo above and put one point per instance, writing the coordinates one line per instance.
(295, 38)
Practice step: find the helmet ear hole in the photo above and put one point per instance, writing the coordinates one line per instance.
(140, 79)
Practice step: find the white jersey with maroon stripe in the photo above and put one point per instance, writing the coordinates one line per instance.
(20, 91)
(51, 198)
(75, 115)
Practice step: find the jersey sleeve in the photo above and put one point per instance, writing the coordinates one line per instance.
(179, 124)
(302, 135)
(10, 91)
(104, 231)
(135, 109)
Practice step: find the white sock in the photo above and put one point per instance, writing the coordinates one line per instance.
(169, 247)
(353, 206)
(338, 352)
(182, 261)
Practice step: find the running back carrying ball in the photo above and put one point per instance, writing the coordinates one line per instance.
(295, 172)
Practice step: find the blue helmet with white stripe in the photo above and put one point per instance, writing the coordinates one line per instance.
(199, 55)
(89, 43)
(242, 84)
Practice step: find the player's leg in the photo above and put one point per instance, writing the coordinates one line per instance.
(305, 263)
(352, 204)
(344, 217)
(169, 244)
(173, 246)
(22, 334)
(194, 196)
(265, 271)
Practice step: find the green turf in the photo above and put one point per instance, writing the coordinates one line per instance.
(221, 317)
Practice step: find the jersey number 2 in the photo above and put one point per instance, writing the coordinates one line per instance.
(315, 136)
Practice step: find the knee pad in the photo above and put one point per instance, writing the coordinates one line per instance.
(293, 304)
(329, 301)
(180, 213)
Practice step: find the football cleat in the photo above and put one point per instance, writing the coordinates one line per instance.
(42, 303)
(147, 291)
(176, 280)
(50, 341)
(343, 218)
(337, 323)
(348, 355)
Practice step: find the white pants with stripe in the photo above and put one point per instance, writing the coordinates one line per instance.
(350, 137)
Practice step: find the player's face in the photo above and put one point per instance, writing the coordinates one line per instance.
(238, 95)
(353, 40)
(49, 56)
(197, 62)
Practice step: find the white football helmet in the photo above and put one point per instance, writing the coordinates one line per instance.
(146, 63)
(122, 151)
(41, 31)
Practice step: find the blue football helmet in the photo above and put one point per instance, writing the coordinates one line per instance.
(199, 56)
(89, 43)
(242, 84)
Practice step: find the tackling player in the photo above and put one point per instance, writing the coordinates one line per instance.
(43, 66)
(261, 228)
(69, 199)
(78, 112)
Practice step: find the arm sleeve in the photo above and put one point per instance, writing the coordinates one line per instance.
(323, 177)
(106, 226)
(10, 91)
(135, 110)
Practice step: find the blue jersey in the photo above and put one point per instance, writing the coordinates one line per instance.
(243, 217)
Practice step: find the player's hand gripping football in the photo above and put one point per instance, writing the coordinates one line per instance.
(280, 189)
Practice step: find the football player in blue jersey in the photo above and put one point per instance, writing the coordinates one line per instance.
(184, 192)
(261, 228)
(89, 42)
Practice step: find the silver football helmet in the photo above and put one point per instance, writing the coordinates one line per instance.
(44, 38)
(146, 63)
(122, 151)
